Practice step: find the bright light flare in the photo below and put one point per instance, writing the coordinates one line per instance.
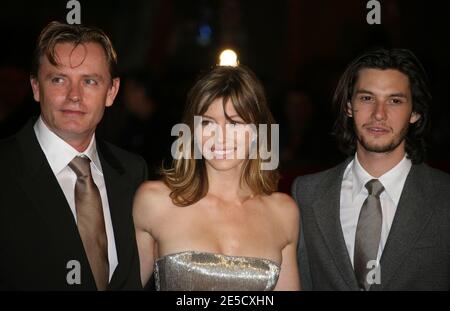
(228, 58)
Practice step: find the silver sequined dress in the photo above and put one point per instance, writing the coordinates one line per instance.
(191, 271)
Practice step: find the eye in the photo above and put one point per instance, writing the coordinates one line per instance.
(235, 123)
(396, 101)
(57, 80)
(206, 122)
(366, 98)
(90, 82)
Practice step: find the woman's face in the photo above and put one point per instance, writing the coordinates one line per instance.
(224, 142)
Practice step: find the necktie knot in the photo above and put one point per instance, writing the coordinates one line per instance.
(375, 187)
(81, 166)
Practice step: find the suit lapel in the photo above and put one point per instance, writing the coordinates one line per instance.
(327, 212)
(410, 219)
(42, 187)
(120, 194)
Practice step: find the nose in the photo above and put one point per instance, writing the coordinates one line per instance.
(74, 93)
(221, 134)
(379, 111)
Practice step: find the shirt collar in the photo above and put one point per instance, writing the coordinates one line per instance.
(393, 180)
(59, 153)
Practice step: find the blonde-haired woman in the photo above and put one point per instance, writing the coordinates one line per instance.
(216, 222)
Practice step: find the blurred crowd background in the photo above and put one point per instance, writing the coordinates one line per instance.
(298, 48)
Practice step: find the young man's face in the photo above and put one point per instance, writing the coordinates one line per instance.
(74, 94)
(381, 108)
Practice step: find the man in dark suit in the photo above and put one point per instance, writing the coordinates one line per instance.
(381, 219)
(66, 196)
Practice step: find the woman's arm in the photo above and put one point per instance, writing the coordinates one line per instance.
(143, 218)
(289, 279)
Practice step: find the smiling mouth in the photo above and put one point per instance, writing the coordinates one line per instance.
(223, 151)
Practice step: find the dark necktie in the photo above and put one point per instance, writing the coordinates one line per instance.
(368, 233)
(90, 221)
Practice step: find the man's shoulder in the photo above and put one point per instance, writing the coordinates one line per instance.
(8, 143)
(25, 137)
(124, 156)
(10, 148)
(25, 132)
(7, 153)
(309, 187)
(437, 180)
(118, 152)
(121, 158)
(438, 175)
(312, 180)
(434, 185)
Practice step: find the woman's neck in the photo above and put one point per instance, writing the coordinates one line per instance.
(226, 184)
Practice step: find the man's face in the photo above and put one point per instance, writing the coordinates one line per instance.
(381, 108)
(74, 94)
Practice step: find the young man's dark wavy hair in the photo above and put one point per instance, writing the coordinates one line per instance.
(404, 61)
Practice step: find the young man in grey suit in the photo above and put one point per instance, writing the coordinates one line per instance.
(66, 195)
(381, 219)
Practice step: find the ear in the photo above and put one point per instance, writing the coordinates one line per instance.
(414, 117)
(35, 87)
(349, 111)
(112, 92)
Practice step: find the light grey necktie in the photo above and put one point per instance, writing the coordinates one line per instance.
(368, 233)
(90, 221)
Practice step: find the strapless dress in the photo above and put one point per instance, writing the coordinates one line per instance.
(203, 271)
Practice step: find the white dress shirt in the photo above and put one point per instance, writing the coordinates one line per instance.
(59, 154)
(354, 193)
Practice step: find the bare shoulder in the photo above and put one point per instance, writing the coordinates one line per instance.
(150, 201)
(282, 202)
(152, 191)
(284, 208)
(154, 186)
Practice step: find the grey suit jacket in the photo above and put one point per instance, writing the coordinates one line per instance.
(417, 252)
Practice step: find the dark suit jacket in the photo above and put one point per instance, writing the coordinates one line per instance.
(417, 252)
(38, 233)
